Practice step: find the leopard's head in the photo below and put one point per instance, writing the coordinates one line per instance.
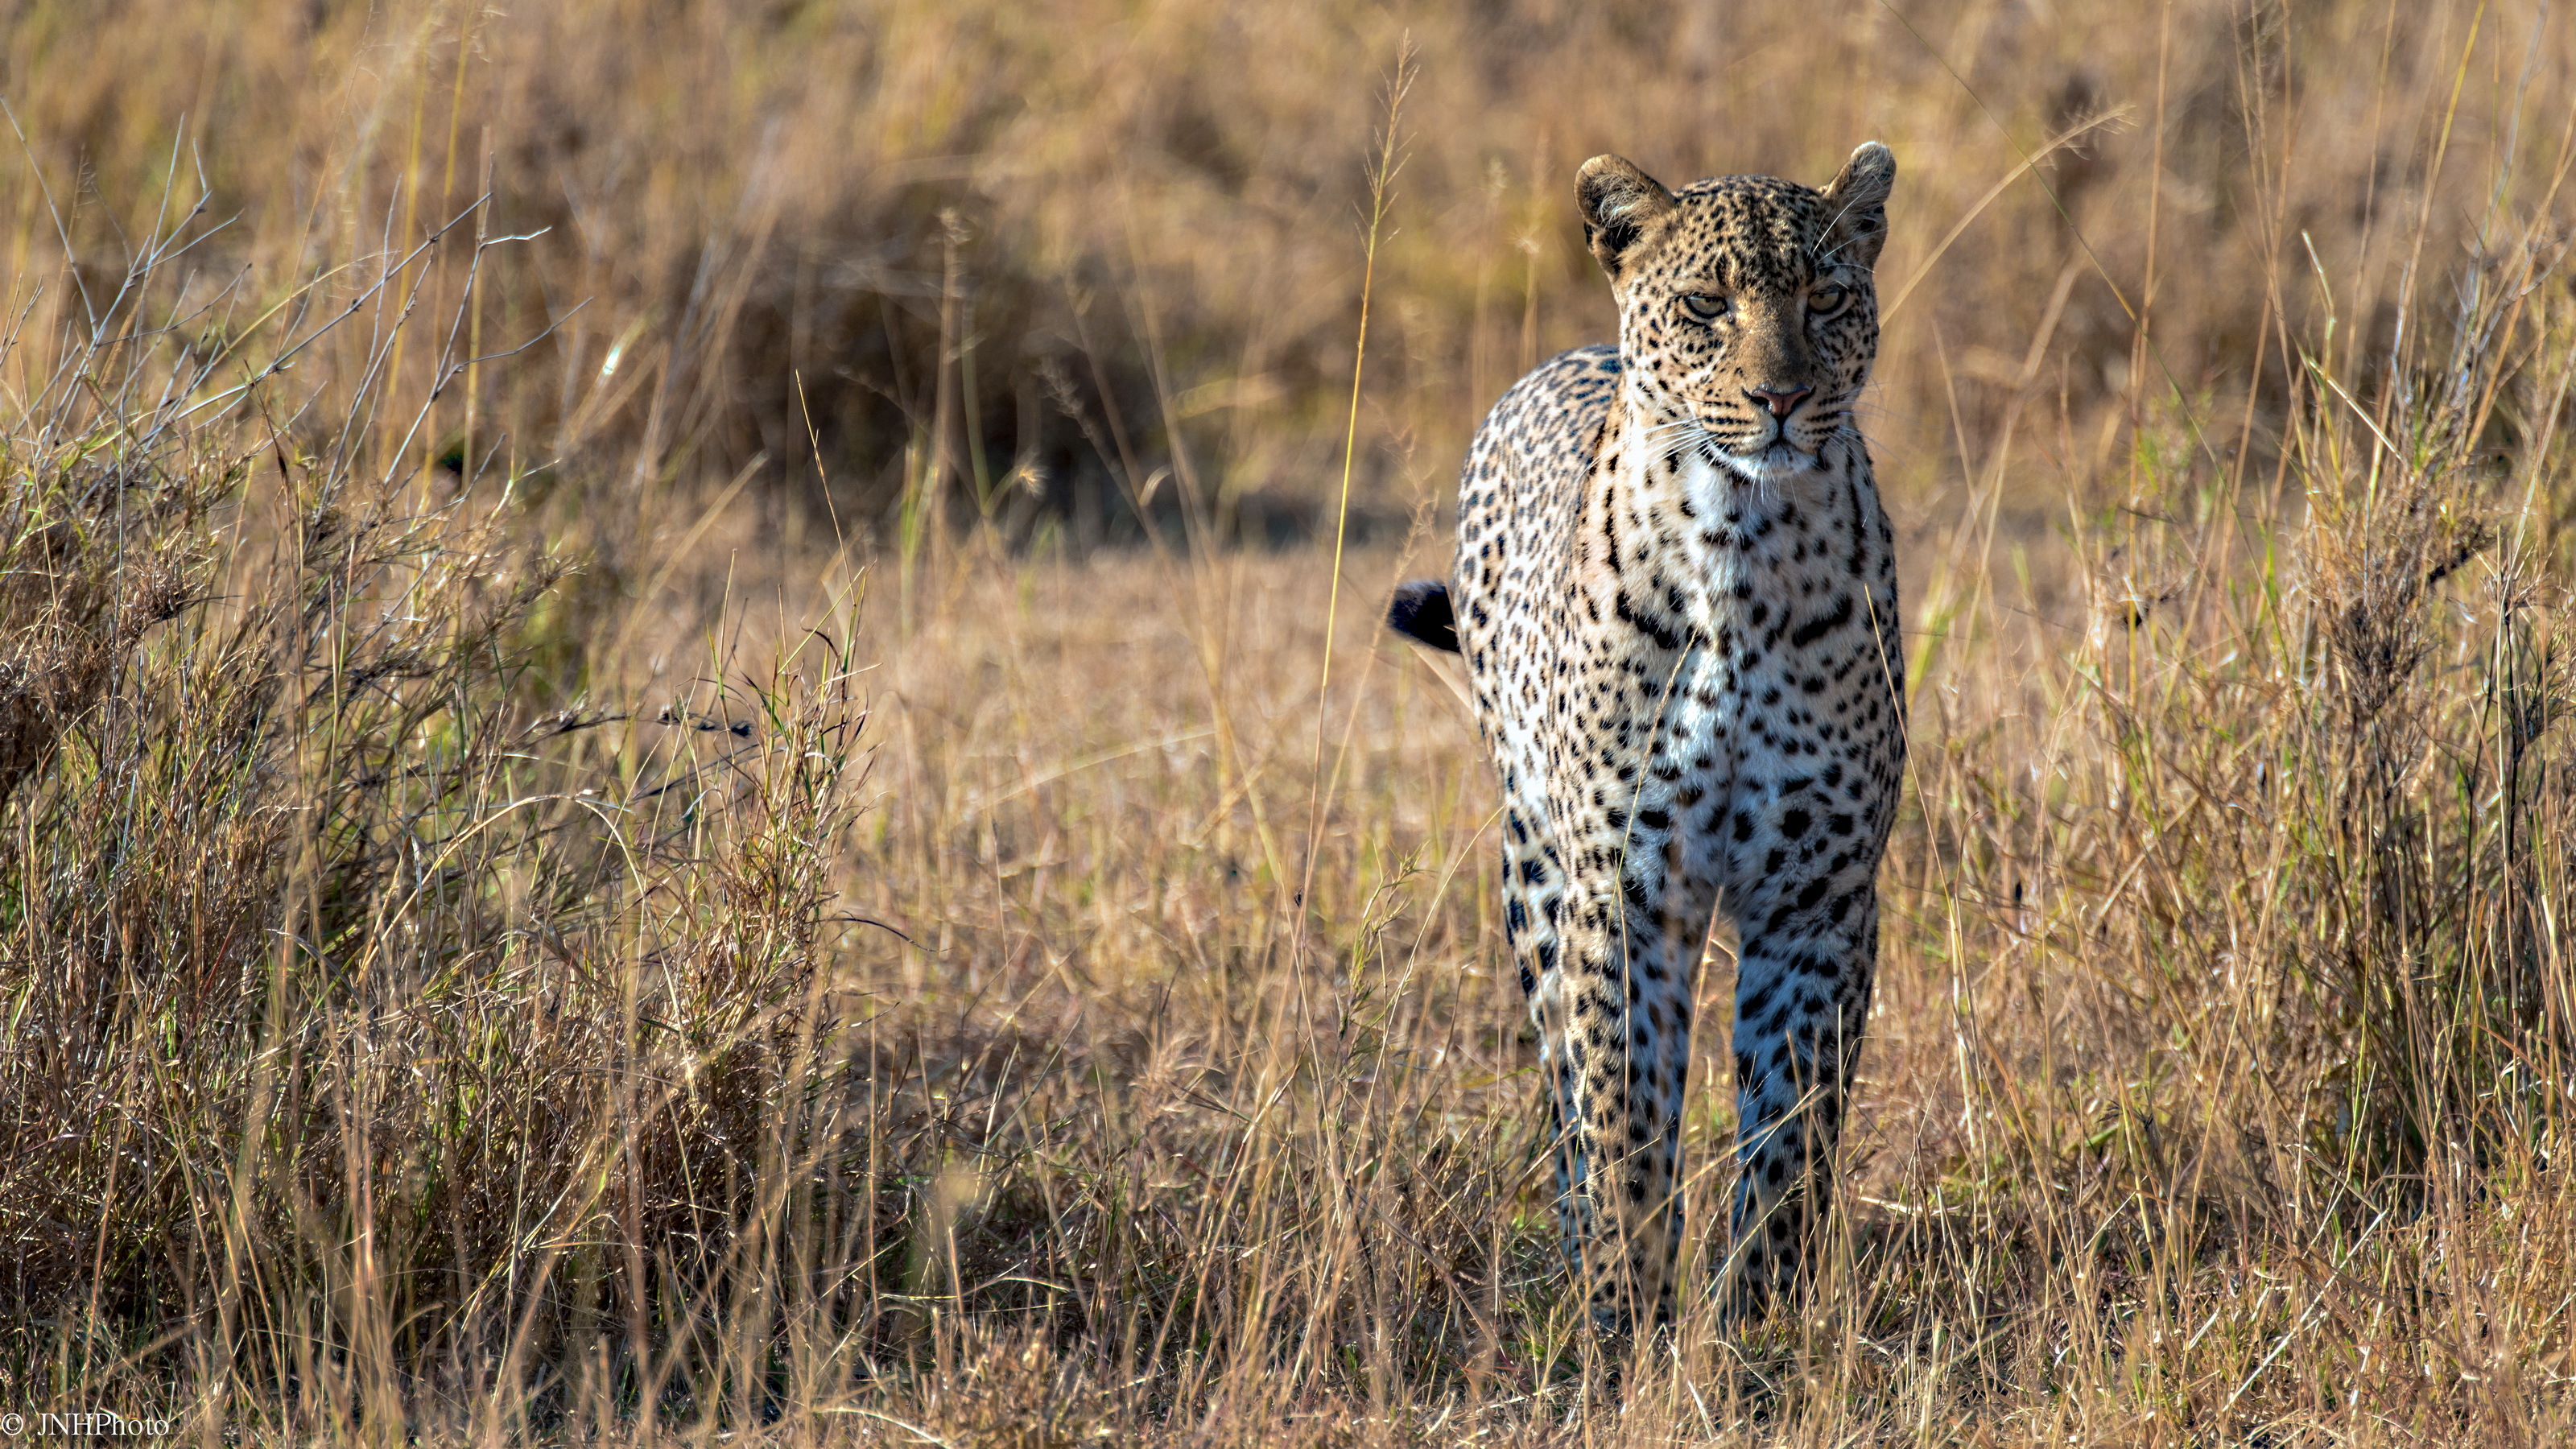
(1748, 308)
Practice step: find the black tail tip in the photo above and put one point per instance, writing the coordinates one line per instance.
(1420, 612)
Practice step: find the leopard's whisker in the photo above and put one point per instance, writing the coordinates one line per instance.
(1670, 440)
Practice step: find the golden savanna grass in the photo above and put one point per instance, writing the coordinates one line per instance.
(681, 757)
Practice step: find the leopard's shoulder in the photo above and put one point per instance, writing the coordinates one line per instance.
(1528, 460)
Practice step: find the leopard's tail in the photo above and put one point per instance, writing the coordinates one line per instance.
(1420, 612)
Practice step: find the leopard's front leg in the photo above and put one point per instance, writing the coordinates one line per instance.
(1618, 1023)
(1614, 1007)
(1808, 927)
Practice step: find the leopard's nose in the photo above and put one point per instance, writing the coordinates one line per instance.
(1779, 399)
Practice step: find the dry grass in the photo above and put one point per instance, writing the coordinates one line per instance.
(763, 856)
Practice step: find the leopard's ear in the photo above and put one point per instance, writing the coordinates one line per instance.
(1857, 202)
(1620, 204)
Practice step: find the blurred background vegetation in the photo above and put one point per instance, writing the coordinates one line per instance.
(938, 239)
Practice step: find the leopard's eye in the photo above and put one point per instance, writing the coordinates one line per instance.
(1703, 306)
(1825, 301)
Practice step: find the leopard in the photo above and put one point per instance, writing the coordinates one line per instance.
(1675, 596)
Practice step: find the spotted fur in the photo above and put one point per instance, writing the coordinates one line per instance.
(1675, 592)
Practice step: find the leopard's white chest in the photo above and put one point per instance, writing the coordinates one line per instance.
(1767, 575)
